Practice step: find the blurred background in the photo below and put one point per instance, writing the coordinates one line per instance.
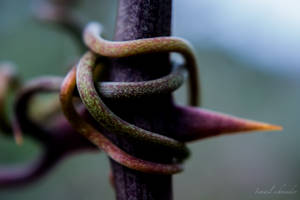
(249, 63)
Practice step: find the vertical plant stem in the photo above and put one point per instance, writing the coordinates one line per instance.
(142, 19)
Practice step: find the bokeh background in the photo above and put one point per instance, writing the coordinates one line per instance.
(248, 53)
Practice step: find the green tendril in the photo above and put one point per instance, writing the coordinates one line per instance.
(100, 140)
(119, 49)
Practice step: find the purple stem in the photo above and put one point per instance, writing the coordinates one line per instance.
(64, 142)
(142, 19)
(12, 177)
(58, 141)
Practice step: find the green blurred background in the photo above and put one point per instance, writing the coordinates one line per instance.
(229, 167)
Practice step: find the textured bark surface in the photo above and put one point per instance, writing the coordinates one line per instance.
(143, 19)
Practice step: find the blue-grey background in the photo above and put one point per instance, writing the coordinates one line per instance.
(248, 54)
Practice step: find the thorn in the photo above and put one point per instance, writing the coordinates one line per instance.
(17, 133)
(251, 125)
(18, 139)
(195, 123)
(111, 179)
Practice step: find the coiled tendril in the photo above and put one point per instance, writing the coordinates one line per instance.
(101, 113)
(107, 119)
